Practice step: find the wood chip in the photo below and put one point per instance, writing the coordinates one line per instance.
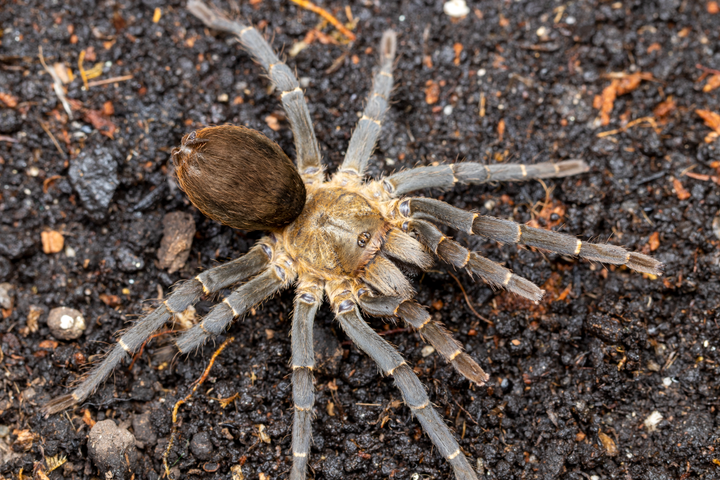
(9, 100)
(654, 241)
(432, 92)
(178, 233)
(608, 443)
(680, 191)
(712, 83)
(52, 241)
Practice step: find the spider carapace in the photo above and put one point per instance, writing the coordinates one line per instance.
(343, 239)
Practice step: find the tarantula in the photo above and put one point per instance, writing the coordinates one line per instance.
(341, 237)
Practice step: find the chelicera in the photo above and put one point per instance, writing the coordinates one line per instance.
(339, 238)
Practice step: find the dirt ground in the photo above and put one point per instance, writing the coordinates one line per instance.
(613, 375)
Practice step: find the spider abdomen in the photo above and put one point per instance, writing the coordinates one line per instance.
(239, 177)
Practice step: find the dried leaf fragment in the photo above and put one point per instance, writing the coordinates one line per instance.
(665, 108)
(101, 123)
(52, 241)
(25, 439)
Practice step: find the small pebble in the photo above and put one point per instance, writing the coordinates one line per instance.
(652, 421)
(427, 350)
(144, 430)
(112, 449)
(447, 110)
(456, 8)
(7, 294)
(93, 174)
(66, 323)
(201, 446)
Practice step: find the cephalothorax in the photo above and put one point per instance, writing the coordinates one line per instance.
(340, 238)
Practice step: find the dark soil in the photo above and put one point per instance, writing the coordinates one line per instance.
(572, 379)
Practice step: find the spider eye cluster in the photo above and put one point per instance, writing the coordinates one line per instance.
(239, 177)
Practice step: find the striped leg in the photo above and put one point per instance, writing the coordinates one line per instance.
(368, 128)
(459, 256)
(507, 231)
(309, 298)
(280, 274)
(185, 294)
(417, 317)
(293, 100)
(446, 176)
(413, 392)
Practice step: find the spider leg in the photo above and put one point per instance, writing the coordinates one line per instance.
(280, 274)
(293, 100)
(459, 256)
(507, 231)
(308, 299)
(402, 246)
(386, 278)
(413, 392)
(185, 294)
(446, 176)
(368, 127)
(417, 317)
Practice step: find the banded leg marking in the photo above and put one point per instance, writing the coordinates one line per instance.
(506, 231)
(185, 294)
(293, 100)
(447, 176)
(308, 300)
(235, 305)
(417, 317)
(368, 128)
(458, 256)
(413, 392)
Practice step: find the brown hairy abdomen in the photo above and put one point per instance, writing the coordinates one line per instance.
(239, 177)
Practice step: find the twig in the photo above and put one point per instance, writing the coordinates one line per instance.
(57, 85)
(197, 384)
(306, 4)
(97, 83)
(707, 70)
(468, 301)
(7, 138)
(650, 120)
(44, 126)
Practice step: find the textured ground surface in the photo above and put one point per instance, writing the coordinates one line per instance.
(572, 379)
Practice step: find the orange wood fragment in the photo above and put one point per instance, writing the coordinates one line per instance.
(680, 191)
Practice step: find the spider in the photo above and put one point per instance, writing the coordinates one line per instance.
(343, 238)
